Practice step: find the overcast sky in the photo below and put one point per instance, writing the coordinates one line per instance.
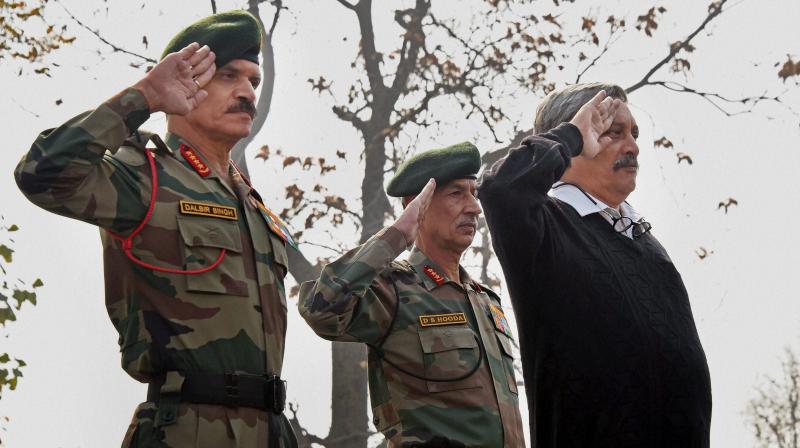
(744, 294)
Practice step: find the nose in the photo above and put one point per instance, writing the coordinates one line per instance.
(473, 206)
(246, 92)
(632, 147)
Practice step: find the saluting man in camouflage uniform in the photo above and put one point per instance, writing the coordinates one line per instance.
(194, 261)
(441, 370)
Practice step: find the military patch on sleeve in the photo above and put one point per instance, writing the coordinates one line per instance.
(442, 319)
(212, 210)
(500, 321)
(435, 276)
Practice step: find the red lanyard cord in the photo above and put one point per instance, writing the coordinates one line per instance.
(127, 242)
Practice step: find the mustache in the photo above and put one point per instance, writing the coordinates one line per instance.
(628, 160)
(468, 221)
(243, 106)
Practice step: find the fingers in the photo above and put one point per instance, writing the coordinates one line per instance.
(598, 98)
(196, 57)
(427, 190)
(187, 51)
(203, 64)
(204, 71)
(426, 195)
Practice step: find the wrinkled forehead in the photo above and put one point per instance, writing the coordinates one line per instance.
(464, 183)
(624, 116)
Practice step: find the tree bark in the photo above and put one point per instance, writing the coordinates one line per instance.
(267, 86)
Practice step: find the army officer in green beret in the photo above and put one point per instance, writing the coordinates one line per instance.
(441, 368)
(194, 260)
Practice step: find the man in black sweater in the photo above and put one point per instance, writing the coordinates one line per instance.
(610, 351)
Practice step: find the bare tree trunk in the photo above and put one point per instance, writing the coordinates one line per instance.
(267, 85)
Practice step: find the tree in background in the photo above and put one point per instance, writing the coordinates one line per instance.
(506, 49)
(505, 52)
(14, 292)
(774, 414)
(26, 38)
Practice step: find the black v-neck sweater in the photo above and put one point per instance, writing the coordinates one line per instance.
(610, 351)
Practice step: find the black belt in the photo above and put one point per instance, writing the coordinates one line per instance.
(264, 392)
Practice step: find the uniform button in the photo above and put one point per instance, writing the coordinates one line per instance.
(376, 421)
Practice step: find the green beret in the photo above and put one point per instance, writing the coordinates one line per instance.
(445, 164)
(230, 35)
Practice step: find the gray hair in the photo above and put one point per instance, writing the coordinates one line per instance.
(561, 105)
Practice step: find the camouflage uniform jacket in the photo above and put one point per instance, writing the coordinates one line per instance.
(440, 361)
(229, 319)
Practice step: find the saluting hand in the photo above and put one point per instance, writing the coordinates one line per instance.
(593, 119)
(411, 218)
(175, 85)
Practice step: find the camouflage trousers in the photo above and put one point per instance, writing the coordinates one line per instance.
(205, 426)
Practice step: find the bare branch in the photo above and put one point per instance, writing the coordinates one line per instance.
(354, 215)
(714, 11)
(116, 48)
(711, 97)
(413, 40)
(606, 46)
(347, 115)
(347, 5)
(267, 86)
(213, 7)
(372, 58)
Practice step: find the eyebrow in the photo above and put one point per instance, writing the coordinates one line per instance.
(236, 71)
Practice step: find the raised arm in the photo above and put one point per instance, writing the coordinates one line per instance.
(514, 190)
(71, 171)
(353, 300)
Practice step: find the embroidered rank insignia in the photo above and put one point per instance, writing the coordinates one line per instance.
(500, 321)
(442, 319)
(435, 276)
(276, 224)
(196, 162)
(212, 210)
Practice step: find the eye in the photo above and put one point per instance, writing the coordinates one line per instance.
(255, 83)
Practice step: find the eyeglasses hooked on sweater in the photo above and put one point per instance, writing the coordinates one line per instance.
(621, 223)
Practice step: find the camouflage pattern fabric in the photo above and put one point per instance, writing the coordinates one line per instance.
(422, 388)
(230, 319)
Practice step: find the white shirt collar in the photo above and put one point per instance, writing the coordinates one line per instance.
(583, 203)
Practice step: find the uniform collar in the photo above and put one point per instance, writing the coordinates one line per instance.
(586, 204)
(433, 276)
(195, 161)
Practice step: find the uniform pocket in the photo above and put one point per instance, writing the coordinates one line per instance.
(279, 254)
(508, 360)
(384, 416)
(449, 354)
(203, 240)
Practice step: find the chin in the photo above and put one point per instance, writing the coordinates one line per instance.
(236, 132)
(463, 242)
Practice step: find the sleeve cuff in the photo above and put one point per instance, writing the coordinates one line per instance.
(395, 239)
(570, 136)
(131, 106)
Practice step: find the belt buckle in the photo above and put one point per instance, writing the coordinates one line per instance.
(231, 390)
(278, 393)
